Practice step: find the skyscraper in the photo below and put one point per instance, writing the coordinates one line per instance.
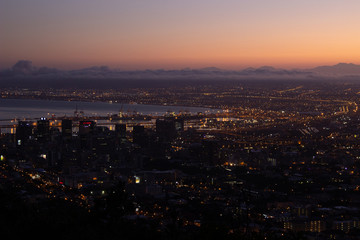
(120, 130)
(168, 128)
(139, 136)
(24, 131)
(86, 129)
(66, 129)
(43, 130)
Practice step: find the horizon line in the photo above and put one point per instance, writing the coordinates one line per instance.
(179, 68)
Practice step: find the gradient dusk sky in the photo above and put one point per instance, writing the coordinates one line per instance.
(135, 34)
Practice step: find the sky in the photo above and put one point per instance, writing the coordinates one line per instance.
(142, 34)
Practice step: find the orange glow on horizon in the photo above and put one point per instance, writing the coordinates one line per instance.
(172, 35)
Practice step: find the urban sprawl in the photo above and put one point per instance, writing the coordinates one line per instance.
(281, 160)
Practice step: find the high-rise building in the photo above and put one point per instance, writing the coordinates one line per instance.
(120, 130)
(139, 136)
(210, 153)
(179, 124)
(66, 129)
(168, 128)
(43, 130)
(102, 140)
(165, 129)
(24, 131)
(86, 129)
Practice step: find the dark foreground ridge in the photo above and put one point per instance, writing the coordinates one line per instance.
(107, 219)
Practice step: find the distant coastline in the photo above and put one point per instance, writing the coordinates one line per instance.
(67, 99)
(32, 108)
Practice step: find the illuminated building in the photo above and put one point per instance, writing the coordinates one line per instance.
(23, 132)
(43, 130)
(179, 124)
(86, 129)
(308, 226)
(346, 225)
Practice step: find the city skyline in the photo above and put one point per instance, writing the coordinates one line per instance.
(155, 34)
(126, 119)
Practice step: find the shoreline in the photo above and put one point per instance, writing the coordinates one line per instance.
(112, 102)
(23, 108)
